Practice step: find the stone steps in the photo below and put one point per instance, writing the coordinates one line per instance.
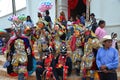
(5, 76)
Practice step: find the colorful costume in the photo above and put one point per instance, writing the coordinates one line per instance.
(40, 40)
(88, 65)
(46, 66)
(63, 65)
(77, 50)
(19, 54)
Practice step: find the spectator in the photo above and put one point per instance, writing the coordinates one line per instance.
(107, 60)
(114, 40)
(77, 20)
(48, 19)
(29, 22)
(39, 15)
(82, 19)
(4, 41)
(62, 18)
(93, 22)
(70, 29)
(100, 31)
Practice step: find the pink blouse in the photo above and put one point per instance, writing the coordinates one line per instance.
(100, 33)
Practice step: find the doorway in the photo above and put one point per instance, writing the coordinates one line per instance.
(78, 9)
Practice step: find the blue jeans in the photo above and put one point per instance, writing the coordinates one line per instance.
(21, 76)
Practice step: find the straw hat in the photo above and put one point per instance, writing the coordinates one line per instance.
(106, 37)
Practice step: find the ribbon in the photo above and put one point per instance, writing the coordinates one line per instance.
(49, 69)
(65, 71)
(49, 73)
(61, 63)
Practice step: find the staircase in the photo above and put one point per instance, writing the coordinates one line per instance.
(5, 76)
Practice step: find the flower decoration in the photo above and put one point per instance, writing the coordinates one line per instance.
(17, 19)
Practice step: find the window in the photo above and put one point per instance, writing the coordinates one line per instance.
(6, 6)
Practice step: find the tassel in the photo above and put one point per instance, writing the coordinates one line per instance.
(26, 74)
(49, 73)
(65, 71)
(96, 76)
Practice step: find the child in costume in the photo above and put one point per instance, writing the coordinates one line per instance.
(46, 65)
(63, 65)
(88, 64)
(19, 54)
(77, 45)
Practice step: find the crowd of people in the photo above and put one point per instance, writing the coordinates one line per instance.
(56, 51)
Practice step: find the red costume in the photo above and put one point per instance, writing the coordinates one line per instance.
(46, 67)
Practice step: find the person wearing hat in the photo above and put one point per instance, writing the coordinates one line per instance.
(46, 65)
(19, 44)
(63, 66)
(107, 60)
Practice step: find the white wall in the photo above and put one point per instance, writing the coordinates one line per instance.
(4, 23)
(31, 9)
(108, 10)
(115, 29)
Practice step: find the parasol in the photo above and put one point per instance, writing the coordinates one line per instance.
(45, 5)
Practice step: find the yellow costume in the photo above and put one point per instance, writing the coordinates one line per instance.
(20, 57)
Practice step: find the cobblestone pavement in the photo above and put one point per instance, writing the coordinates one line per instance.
(5, 76)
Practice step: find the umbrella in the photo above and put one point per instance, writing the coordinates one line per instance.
(2, 31)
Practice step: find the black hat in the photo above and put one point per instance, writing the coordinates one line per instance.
(63, 50)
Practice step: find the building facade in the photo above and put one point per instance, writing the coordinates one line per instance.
(108, 10)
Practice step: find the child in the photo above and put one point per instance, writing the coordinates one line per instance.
(114, 40)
